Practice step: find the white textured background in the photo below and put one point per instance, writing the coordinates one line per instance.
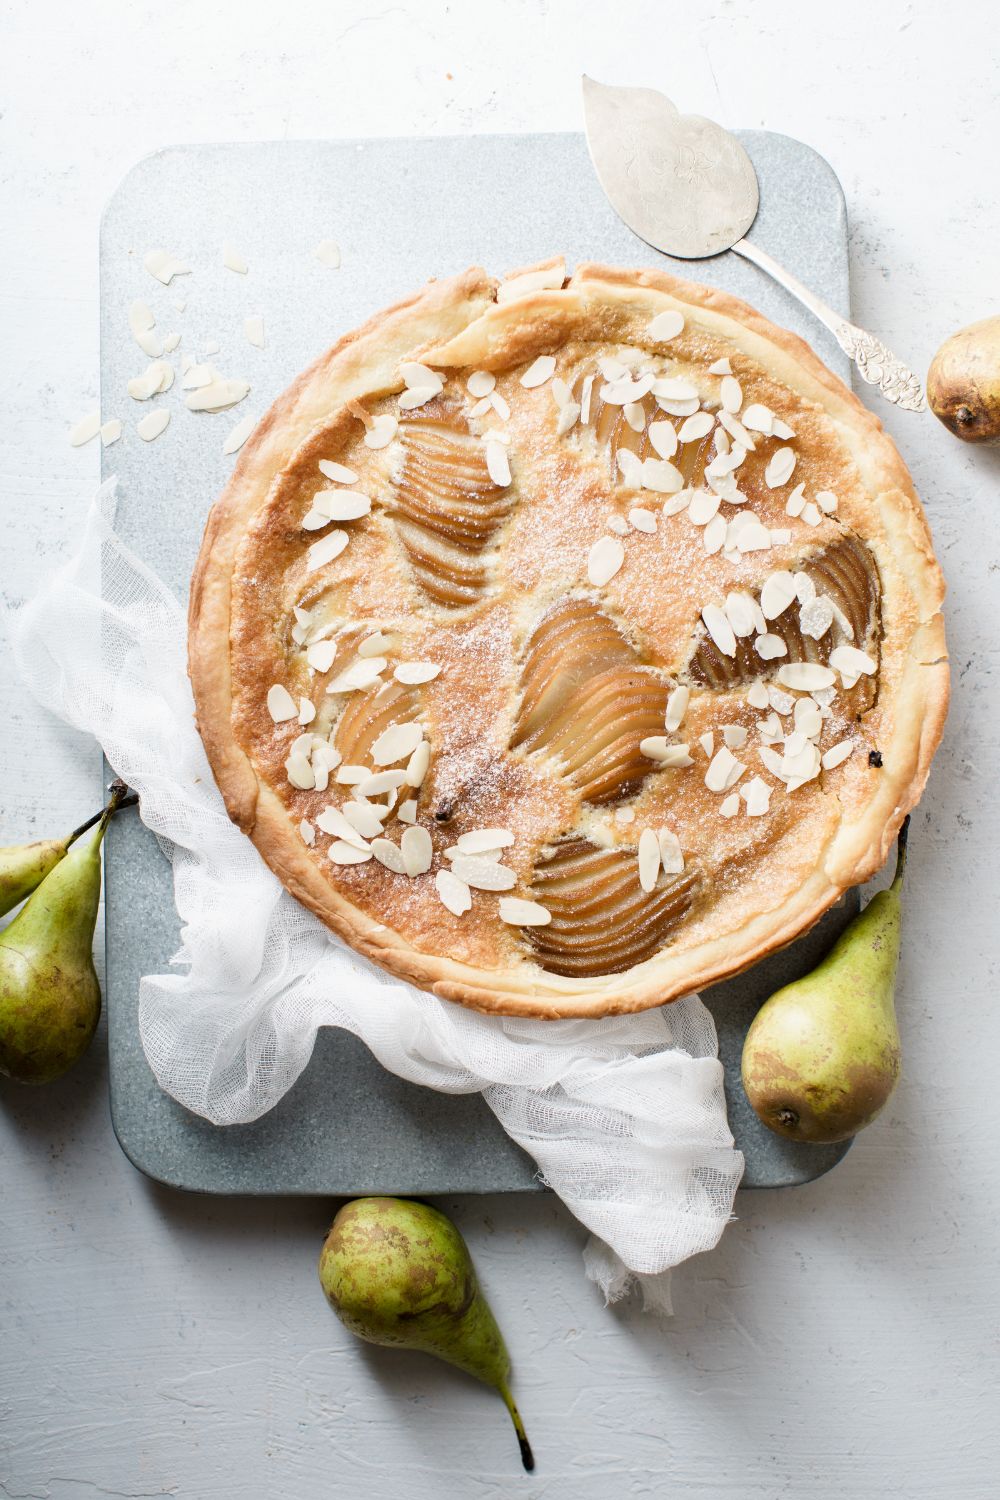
(844, 1339)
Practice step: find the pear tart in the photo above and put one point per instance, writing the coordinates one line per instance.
(567, 644)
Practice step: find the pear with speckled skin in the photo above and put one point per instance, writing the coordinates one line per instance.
(23, 867)
(398, 1272)
(822, 1055)
(50, 999)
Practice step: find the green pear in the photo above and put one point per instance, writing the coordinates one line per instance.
(399, 1272)
(822, 1055)
(23, 867)
(50, 1000)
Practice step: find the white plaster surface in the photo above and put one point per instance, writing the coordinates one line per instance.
(843, 1340)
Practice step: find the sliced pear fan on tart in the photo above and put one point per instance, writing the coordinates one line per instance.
(568, 643)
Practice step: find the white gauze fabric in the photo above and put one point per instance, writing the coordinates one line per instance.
(625, 1117)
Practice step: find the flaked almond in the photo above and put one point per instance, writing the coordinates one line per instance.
(724, 772)
(280, 704)
(836, 755)
(677, 704)
(454, 893)
(153, 424)
(87, 428)
(483, 874)
(415, 672)
(481, 840)
(666, 326)
(382, 431)
(358, 676)
(719, 629)
(416, 766)
(769, 646)
(238, 435)
(805, 676)
(780, 468)
(342, 853)
(649, 859)
(604, 560)
(396, 743)
(518, 913)
(539, 371)
(671, 853)
(325, 550)
(417, 850)
(777, 594)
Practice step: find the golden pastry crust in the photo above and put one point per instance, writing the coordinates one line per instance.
(750, 884)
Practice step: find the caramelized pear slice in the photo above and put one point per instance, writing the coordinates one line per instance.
(586, 702)
(847, 572)
(446, 507)
(612, 433)
(367, 714)
(603, 922)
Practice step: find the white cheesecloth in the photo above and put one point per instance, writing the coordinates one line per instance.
(625, 1117)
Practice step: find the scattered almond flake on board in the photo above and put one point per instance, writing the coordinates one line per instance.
(758, 419)
(734, 735)
(88, 427)
(211, 347)
(170, 342)
(326, 549)
(342, 853)
(692, 429)
(149, 383)
(498, 464)
(339, 473)
(677, 704)
(481, 840)
(454, 893)
(666, 326)
(805, 676)
(669, 757)
(730, 805)
(780, 468)
(415, 672)
(238, 435)
(827, 501)
(757, 695)
(164, 266)
(663, 438)
(483, 874)
(219, 394)
(151, 425)
(180, 303)
(396, 743)
(142, 325)
(233, 260)
(777, 593)
(724, 771)
(280, 704)
(721, 367)
(548, 278)
(649, 859)
(327, 252)
(642, 519)
(837, 754)
(480, 383)
(539, 371)
(604, 560)
(719, 629)
(704, 505)
(111, 431)
(253, 328)
(416, 766)
(757, 796)
(671, 853)
(769, 647)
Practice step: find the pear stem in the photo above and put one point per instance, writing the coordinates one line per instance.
(117, 802)
(527, 1457)
(901, 854)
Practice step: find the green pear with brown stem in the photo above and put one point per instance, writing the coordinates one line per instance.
(398, 1272)
(822, 1056)
(50, 999)
(23, 867)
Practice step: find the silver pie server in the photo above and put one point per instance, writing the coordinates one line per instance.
(688, 188)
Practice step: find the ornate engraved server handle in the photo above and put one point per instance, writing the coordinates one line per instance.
(874, 362)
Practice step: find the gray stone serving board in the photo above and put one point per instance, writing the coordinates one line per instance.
(401, 211)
